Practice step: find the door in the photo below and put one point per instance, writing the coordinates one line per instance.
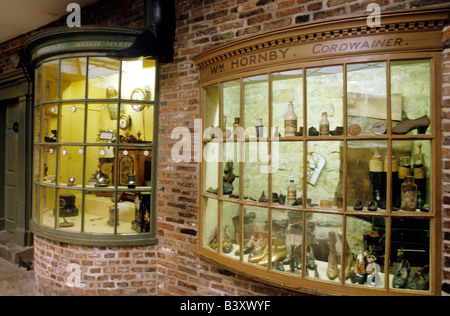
(14, 160)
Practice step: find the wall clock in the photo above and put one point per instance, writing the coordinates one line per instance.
(125, 122)
(138, 95)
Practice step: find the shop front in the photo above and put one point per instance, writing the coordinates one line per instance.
(321, 165)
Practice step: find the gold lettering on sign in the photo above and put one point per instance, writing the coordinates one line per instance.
(251, 60)
(355, 46)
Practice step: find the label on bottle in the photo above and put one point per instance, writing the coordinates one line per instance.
(290, 127)
(324, 130)
(403, 172)
(292, 195)
(419, 173)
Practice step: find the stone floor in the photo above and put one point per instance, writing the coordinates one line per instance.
(16, 281)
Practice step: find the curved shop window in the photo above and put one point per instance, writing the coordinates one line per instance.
(94, 133)
(322, 174)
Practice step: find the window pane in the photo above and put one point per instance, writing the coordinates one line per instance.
(211, 167)
(47, 206)
(365, 251)
(256, 235)
(38, 85)
(256, 171)
(73, 78)
(230, 166)
(325, 91)
(67, 174)
(256, 104)
(230, 230)
(367, 99)
(211, 110)
(103, 78)
(50, 79)
(366, 176)
(287, 184)
(415, 94)
(324, 174)
(323, 245)
(48, 164)
(287, 233)
(410, 254)
(287, 87)
(231, 105)
(68, 216)
(101, 124)
(49, 123)
(72, 123)
(210, 222)
(140, 75)
(411, 182)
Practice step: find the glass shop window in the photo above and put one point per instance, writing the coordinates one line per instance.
(349, 197)
(93, 145)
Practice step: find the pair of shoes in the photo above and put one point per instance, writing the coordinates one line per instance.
(420, 280)
(257, 238)
(401, 275)
(372, 206)
(279, 252)
(261, 240)
(407, 125)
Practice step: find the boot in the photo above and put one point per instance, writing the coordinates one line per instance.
(348, 263)
(332, 269)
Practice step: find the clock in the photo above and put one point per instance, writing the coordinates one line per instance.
(106, 168)
(138, 95)
(125, 122)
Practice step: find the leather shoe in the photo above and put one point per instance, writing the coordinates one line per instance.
(401, 276)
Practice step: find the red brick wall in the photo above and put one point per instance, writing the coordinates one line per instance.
(103, 271)
(201, 25)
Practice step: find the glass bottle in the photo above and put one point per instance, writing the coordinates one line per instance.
(292, 192)
(324, 126)
(409, 194)
(290, 121)
(420, 176)
(259, 128)
(378, 178)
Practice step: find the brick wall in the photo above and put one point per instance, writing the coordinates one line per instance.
(103, 271)
(201, 25)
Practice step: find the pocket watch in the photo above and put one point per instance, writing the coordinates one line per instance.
(125, 122)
